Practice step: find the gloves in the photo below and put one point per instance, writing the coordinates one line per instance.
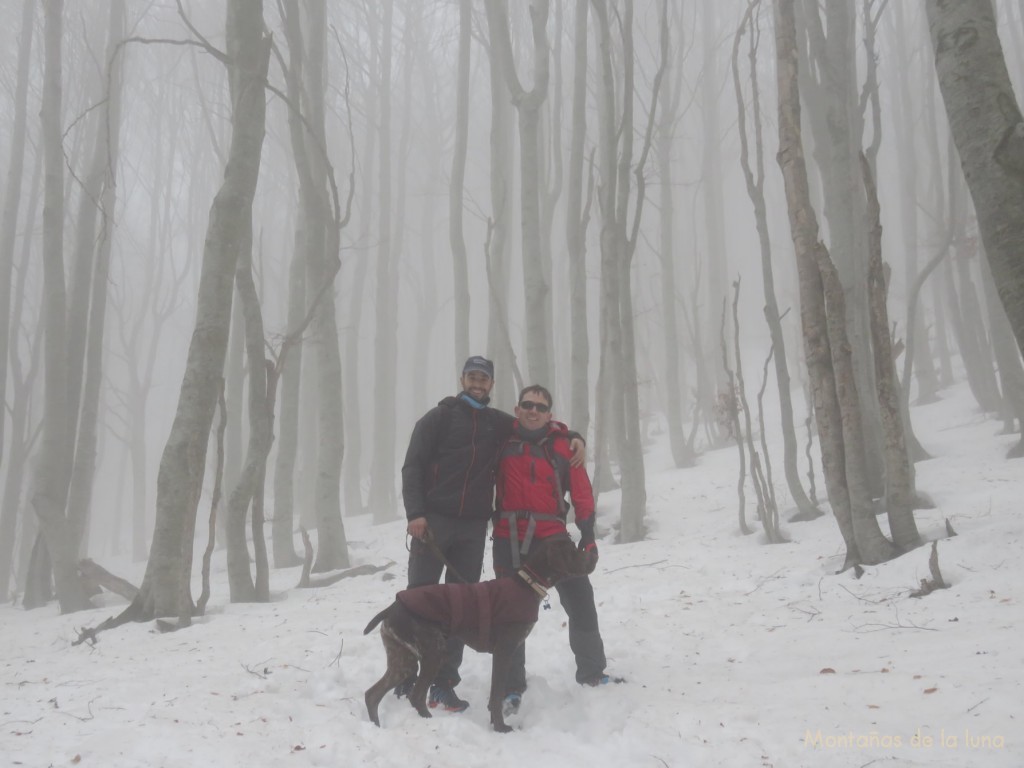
(587, 539)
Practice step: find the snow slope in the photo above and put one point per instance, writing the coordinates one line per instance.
(737, 653)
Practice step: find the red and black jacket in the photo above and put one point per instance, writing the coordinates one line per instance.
(450, 464)
(533, 478)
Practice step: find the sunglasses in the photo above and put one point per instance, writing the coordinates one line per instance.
(530, 405)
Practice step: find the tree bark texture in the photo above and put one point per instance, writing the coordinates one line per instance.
(8, 232)
(12, 202)
(823, 321)
(575, 233)
(382, 471)
(830, 93)
(53, 471)
(754, 178)
(536, 285)
(182, 464)
(899, 472)
(456, 236)
(988, 129)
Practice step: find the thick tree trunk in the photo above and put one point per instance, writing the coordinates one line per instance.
(1011, 372)
(988, 130)
(823, 320)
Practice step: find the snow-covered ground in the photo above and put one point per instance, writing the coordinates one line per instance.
(737, 653)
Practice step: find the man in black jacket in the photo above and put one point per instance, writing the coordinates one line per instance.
(448, 489)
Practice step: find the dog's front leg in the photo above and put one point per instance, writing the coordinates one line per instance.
(509, 639)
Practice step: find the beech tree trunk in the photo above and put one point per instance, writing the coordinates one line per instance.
(12, 202)
(53, 470)
(754, 178)
(502, 145)
(108, 144)
(536, 285)
(988, 129)
(899, 476)
(576, 234)
(165, 586)
(823, 318)
(456, 236)
(382, 472)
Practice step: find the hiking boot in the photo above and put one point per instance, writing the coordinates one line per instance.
(445, 696)
(510, 704)
(404, 688)
(597, 680)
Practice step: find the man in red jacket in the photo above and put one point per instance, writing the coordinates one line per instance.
(534, 473)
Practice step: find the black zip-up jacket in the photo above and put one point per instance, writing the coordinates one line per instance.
(452, 457)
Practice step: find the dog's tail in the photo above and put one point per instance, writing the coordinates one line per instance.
(377, 619)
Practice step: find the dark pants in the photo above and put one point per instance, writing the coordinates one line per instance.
(462, 542)
(577, 596)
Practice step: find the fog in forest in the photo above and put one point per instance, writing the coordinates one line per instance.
(570, 189)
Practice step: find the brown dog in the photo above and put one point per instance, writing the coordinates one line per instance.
(491, 617)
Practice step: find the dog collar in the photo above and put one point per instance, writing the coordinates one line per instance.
(533, 582)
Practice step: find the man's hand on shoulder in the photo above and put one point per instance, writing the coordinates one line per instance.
(579, 452)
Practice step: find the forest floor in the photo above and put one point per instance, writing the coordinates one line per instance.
(736, 653)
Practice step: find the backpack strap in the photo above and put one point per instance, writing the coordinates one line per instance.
(513, 517)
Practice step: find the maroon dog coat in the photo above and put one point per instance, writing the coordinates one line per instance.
(473, 609)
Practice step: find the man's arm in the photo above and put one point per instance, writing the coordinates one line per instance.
(582, 494)
(422, 452)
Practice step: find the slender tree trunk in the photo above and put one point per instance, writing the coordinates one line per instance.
(382, 472)
(234, 394)
(165, 586)
(608, 412)
(675, 390)
(23, 430)
(576, 235)
(456, 237)
(352, 467)
(107, 152)
(711, 180)
(12, 202)
(499, 343)
(528, 104)
(899, 472)
(904, 118)
(49, 495)
(755, 189)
